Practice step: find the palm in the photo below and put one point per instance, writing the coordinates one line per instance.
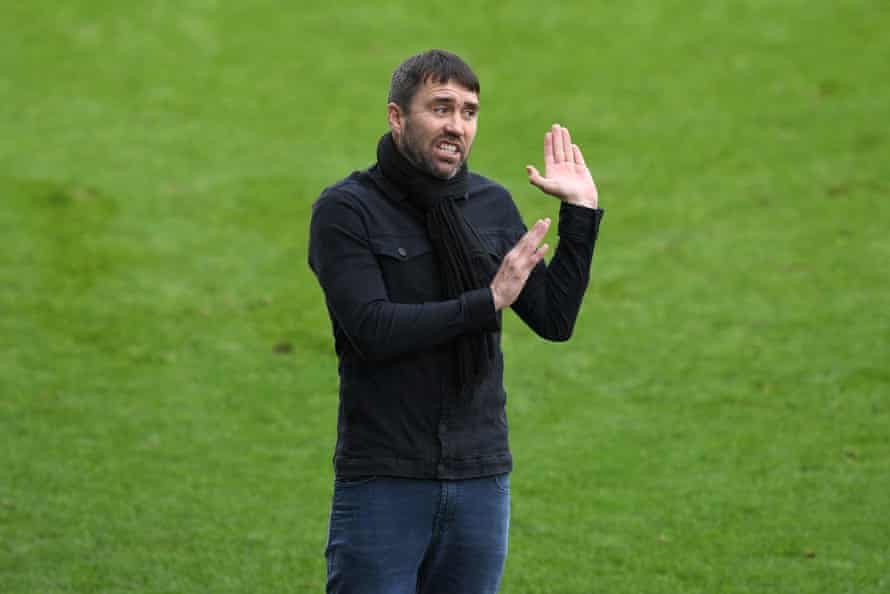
(565, 174)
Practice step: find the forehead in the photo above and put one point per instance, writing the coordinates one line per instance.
(448, 91)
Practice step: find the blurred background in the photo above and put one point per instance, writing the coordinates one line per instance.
(168, 387)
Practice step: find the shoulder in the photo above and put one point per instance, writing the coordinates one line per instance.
(352, 190)
(481, 185)
(493, 202)
(341, 208)
(355, 197)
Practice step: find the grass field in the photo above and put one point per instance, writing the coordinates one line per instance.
(720, 422)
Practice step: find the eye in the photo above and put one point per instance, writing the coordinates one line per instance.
(469, 113)
(440, 109)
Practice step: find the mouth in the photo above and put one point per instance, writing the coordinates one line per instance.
(448, 150)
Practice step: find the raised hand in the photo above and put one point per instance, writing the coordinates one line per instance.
(565, 174)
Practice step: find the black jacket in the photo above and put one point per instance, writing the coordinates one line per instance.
(400, 414)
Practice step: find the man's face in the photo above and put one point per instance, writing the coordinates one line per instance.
(437, 131)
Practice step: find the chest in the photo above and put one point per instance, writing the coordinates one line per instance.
(407, 257)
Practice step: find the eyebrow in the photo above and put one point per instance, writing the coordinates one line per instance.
(451, 100)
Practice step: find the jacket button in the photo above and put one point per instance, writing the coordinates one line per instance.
(402, 252)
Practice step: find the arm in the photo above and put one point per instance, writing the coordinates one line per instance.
(552, 296)
(341, 257)
(549, 300)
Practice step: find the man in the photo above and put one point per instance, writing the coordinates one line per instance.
(417, 257)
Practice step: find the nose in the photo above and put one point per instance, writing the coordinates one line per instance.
(455, 125)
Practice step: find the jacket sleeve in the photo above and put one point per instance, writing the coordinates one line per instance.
(551, 299)
(352, 281)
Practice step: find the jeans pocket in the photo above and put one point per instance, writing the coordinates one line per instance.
(502, 482)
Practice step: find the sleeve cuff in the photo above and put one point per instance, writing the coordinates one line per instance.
(579, 223)
(479, 312)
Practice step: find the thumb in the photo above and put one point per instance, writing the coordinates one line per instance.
(535, 178)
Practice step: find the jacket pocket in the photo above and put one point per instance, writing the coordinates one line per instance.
(409, 267)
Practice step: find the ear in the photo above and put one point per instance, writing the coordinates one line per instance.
(395, 117)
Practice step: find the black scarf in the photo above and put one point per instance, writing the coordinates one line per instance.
(464, 262)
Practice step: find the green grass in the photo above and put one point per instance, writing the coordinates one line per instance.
(718, 424)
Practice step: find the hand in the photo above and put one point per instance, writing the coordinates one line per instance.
(565, 174)
(518, 264)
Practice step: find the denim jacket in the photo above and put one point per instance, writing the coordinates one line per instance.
(401, 413)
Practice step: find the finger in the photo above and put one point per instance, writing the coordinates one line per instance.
(536, 235)
(534, 176)
(536, 179)
(567, 144)
(539, 255)
(528, 242)
(548, 149)
(559, 153)
(579, 158)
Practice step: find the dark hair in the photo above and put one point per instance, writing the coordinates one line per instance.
(437, 65)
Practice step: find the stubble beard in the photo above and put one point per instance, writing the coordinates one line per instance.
(416, 156)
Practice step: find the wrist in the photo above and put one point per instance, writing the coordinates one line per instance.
(497, 300)
(582, 201)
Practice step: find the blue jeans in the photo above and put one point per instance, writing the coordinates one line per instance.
(407, 536)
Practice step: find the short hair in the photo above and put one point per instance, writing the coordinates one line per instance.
(437, 65)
